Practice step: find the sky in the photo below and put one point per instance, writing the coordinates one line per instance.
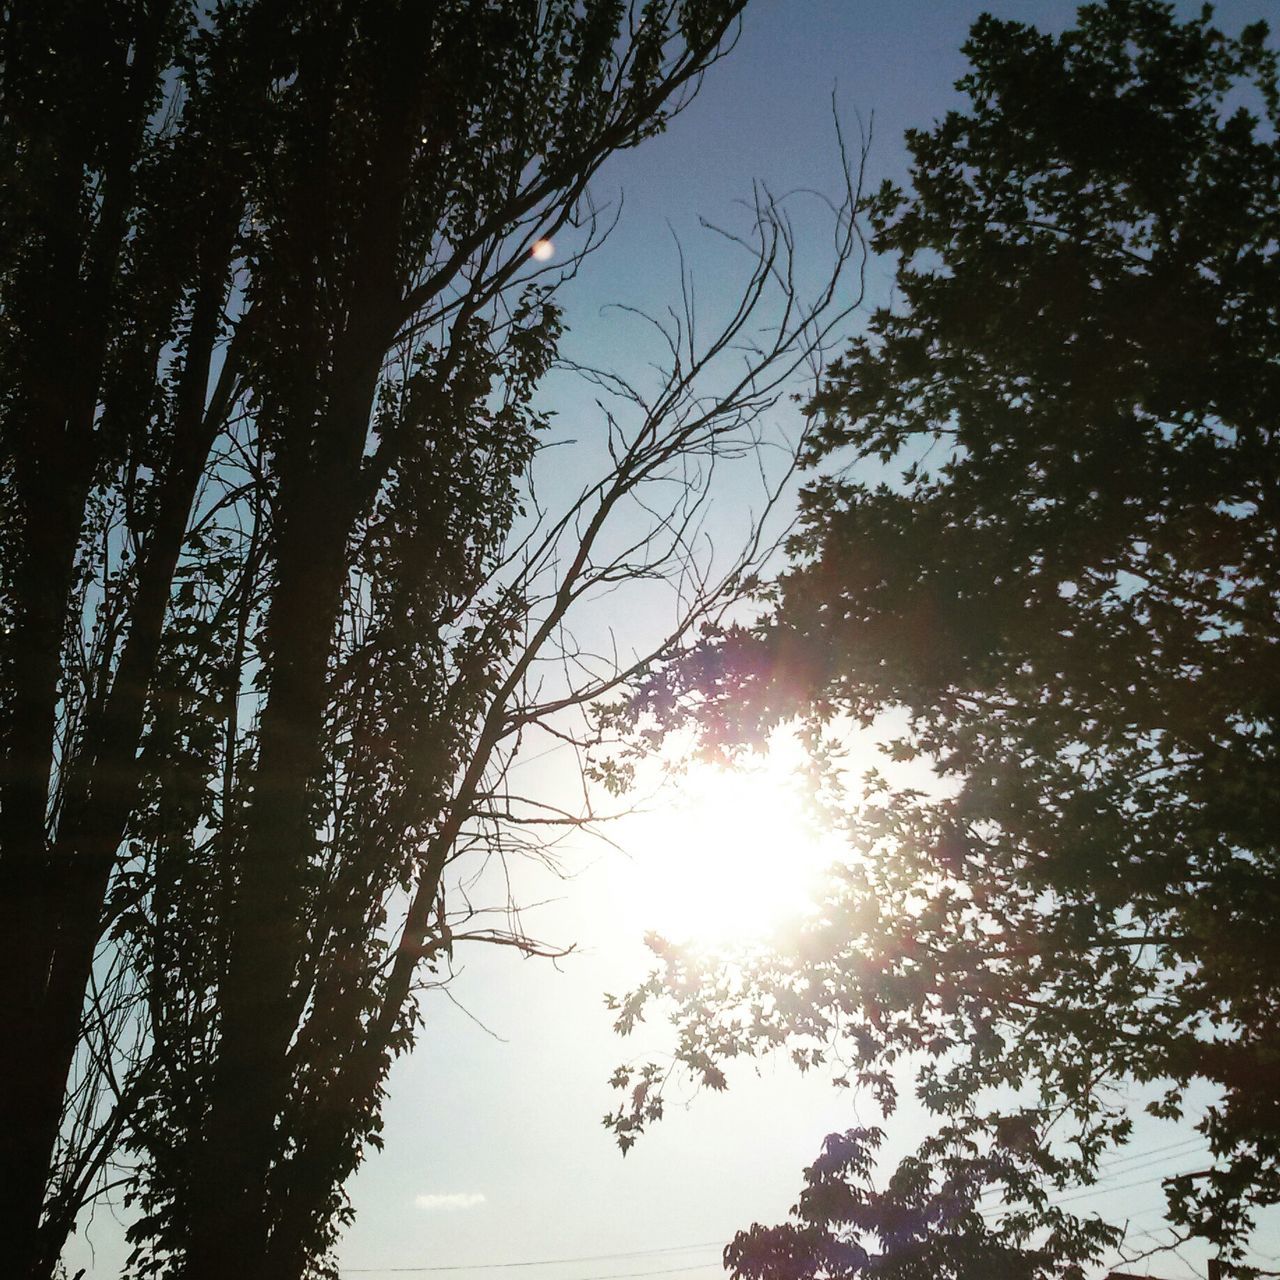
(495, 1152)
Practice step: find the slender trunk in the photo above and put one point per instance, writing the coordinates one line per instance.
(252, 1075)
(320, 498)
(101, 796)
(303, 1194)
(30, 1103)
(334, 1126)
(317, 506)
(56, 465)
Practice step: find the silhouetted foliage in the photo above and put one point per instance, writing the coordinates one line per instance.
(1055, 548)
(278, 605)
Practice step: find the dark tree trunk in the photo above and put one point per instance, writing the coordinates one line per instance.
(53, 430)
(319, 501)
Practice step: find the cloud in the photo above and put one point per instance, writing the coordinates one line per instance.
(454, 1200)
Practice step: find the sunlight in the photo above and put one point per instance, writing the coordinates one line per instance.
(727, 856)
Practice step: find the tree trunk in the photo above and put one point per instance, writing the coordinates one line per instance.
(53, 418)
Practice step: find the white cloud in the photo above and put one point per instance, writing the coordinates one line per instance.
(455, 1200)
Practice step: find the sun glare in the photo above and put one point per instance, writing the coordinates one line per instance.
(542, 250)
(726, 856)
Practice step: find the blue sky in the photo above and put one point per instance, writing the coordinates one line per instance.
(494, 1148)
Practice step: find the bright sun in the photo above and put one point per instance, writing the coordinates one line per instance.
(725, 856)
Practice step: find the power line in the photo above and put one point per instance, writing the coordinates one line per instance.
(670, 1271)
(1124, 1186)
(1145, 1159)
(1098, 1189)
(1193, 1141)
(1102, 1185)
(547, 1262)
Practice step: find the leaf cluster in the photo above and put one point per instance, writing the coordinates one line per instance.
(1050, 545)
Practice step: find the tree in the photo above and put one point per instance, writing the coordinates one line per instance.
(1054, 554)
(274, 612)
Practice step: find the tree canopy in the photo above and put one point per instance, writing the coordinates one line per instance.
(277, 600)
(1047, 536)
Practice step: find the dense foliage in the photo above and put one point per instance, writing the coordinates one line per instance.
(1055, 550)
(270, 624)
